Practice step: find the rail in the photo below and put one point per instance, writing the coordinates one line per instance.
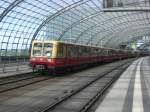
(18, 81)
(80, 89)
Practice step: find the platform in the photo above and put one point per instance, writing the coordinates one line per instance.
(14, 69)
(131, 93)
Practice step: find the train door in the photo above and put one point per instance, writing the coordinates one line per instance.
(71, 54)
(61, 54)
(80, 53)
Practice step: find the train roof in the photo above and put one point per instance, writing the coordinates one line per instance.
(55, 41)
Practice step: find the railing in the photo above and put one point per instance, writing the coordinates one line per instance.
(13, 63)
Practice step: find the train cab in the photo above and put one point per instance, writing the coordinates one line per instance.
(42, 54)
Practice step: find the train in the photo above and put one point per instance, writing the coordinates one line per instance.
(52, 56)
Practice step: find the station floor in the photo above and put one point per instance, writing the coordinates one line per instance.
(131, 93)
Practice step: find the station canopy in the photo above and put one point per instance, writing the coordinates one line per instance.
(89, 22)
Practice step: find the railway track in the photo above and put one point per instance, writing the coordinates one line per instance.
(15, 78)
(75, 100)
(18, 81)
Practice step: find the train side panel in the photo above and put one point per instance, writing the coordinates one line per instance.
(55, 55)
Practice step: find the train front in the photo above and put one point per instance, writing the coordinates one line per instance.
(42, 55)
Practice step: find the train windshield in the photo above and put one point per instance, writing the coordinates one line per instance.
(47, 50)
(37, 49)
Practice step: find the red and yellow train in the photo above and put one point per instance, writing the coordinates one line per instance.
(56, 55)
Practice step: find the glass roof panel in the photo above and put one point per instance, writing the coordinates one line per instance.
(78, 21)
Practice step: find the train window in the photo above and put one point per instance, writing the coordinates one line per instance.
(108, 52)
(86, 51)
(99, 52)
(72, 51)
(37, 49)
(94, 52)
(60, 51)
(80, 51)
(37, 45)
(89, 51)
(75, 51)
(48, 45)
(36, 52)
(47, 51)
(104, 52)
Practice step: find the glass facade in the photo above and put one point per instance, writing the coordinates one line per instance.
(77, 21)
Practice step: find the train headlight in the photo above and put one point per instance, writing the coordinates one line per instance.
(33, 59)
(41, 59)
(49, 60)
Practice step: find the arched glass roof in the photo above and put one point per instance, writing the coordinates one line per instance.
(78, 21)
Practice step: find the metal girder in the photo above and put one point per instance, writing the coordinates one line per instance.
(130, 38)
(9, 8)
(127, 32)
(62, 11)
(69, 7)
(146, 44)
(144, 31)
(89, 17)
(93, 15)
(121, 31)
(113, 27)
(112, 38)
(98, 25)
(115, 35)
(129, 9)
(77, 23)
(143, 9)
(125, 22)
